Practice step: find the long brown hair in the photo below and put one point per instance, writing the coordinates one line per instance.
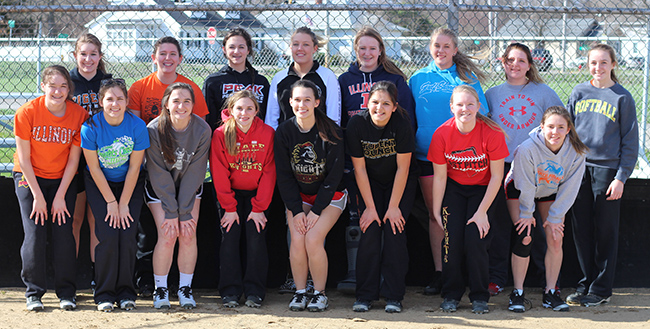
(612, 55)
(165, 129)
(533, 72)
(230, 125)
(239, 32)
(470, 90)
(383, 59)
(326, 126)
(53, 70)
(92, 39)
(577, 144)
(466, 68)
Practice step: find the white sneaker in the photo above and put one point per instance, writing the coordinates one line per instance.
(34, 304)
(105, 306)
(127, 304)
(318, 303)
(161, 298)
(298, 302)
(185, 297)
(67, 304)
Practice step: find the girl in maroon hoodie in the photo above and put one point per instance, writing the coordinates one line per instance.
(243, 170)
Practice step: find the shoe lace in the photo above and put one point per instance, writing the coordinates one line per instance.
(298, 298)
(161, 293)
(186, 291)
(319, 297)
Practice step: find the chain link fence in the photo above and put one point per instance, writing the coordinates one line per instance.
(35, 34)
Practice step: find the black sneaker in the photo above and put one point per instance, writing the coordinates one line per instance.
(435, 286)
(146, 290)
(393, 306)
(554, 302)
(288, 287)
(518, 302)
(590, 300)
(449, 305)
(575, 298)
(362, 305)
(254, 301)
(480, 307)
(230, 301)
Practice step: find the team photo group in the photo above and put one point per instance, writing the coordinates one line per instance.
(366, 142)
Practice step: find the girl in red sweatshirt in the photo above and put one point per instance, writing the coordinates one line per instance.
(243, 170)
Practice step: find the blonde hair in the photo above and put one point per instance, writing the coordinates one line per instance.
(470, 90)
(468, 71)
(230, 125)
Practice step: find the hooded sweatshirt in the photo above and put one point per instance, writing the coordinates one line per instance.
(253, 168)
(538, 172)
(220, 85)
(432, 88)
(85, 91)
(279, 110)
(355, 91)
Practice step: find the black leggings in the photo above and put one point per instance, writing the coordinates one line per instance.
(464, 253)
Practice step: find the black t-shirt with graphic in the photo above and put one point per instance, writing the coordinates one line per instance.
(379, 146)
(307, 164)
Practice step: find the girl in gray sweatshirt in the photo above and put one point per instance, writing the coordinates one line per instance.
(546, 173)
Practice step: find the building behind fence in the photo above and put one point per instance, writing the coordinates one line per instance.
(33, 35)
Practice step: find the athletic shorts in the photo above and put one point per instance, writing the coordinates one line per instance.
(426, 168)
(339, 200)
(512, 193)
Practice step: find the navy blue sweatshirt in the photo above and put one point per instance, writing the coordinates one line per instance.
(355, 91)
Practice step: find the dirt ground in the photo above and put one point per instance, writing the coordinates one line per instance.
(629, 308)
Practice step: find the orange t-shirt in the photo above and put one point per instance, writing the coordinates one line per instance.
(145, 95)
(50, 137)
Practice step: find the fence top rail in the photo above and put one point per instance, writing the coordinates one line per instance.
(324, 7)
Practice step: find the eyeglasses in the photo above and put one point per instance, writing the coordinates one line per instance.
(111, 81)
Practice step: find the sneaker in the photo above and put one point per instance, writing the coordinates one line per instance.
(518, 302)
(288, 287)
(318, 303)
(185, 298)
(34, 304)
(146, 291)
(480, 307)
(254, 301)
(298, 302)
(494, 289)
(127, 304)
(67, 304)
(310, 286)
(593, 300)
(554, 302)
(393, 306)
(435, 286)
(230, 301)
(362, 305)
(449, 305)
(105, 306)
(575, 298)
(161, 298)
